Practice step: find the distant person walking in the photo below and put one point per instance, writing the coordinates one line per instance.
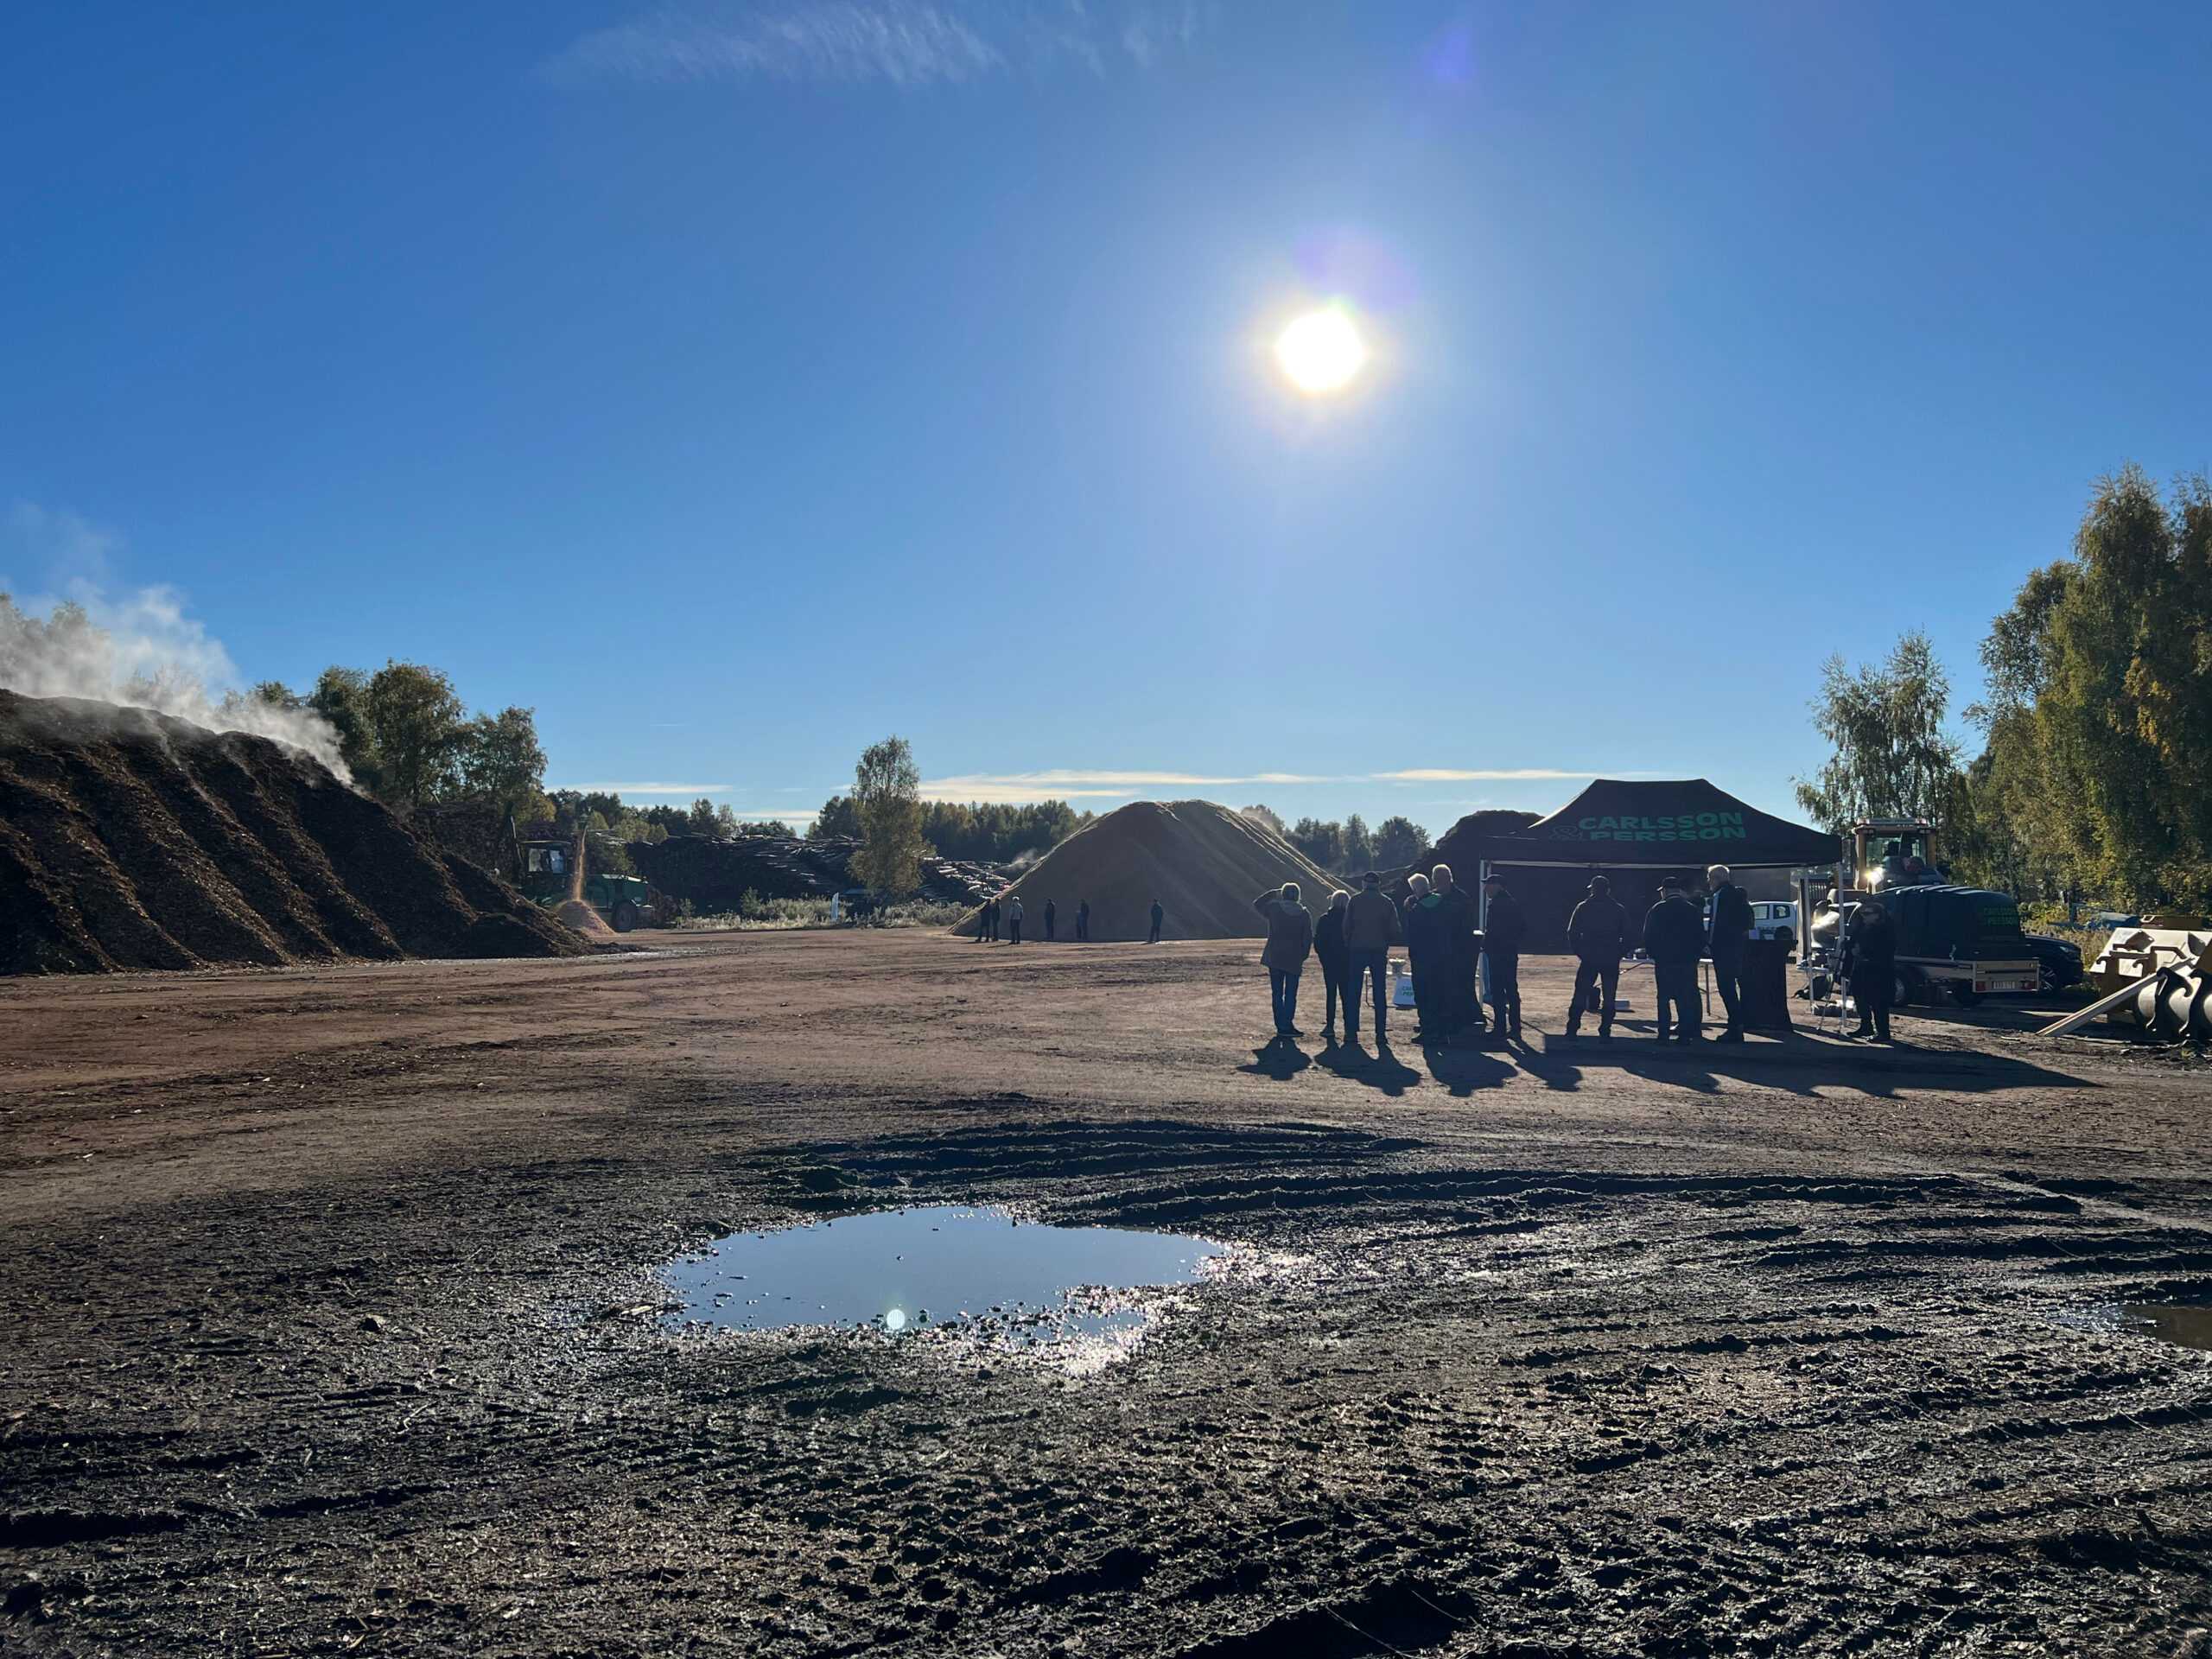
(1673, 937)
(1596, 933)
(1732, 929)
(1504, 931)
(1426, 949)
(1083, 920)
(1870, 963)
(1159, 919)
(1290, 936)
(1051, 911)
(1013, 922)
(1371, 927)
(1335, 957)
(1463, 1007)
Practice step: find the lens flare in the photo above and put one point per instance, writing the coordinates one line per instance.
(1321, 352)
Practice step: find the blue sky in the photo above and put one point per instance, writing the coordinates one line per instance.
(737, 383)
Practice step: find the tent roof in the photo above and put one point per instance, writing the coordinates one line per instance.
(1671, 823)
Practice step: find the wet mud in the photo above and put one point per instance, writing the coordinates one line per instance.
(336, 1326)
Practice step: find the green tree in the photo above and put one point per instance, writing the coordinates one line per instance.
(1891, 757)
(1359, 845)
(700, 820)
(501, 761)
(839, 820)
(341, 696)
(418, 727)
(887, 795)
(1323, 842)
(1399, 841)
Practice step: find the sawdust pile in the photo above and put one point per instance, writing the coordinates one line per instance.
(1205, 863)
(130, 840)
(576, 914)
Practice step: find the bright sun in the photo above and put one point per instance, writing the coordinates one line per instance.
(1321, 352)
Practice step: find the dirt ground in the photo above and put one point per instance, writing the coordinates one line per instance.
(331, 1327)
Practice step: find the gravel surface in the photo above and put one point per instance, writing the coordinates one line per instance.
(332, 1324)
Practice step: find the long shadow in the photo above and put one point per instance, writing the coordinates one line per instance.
(1383, 1070)
(1282, 1060)
(1464, 1070)
(1802, 1064)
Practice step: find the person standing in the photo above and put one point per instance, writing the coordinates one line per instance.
(1596, 933)
(1425, 946)
(1290, 936)
(1463, 949)
(1013, 922)
(1159, 917)
(1870, 963)
(1370, 928)
(1673, 937)
(1334, 956)
(1082, 921)
(1504, 931)
(1050, 913)
(1732, 929)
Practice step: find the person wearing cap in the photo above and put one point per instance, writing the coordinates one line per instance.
(1370, 929)
(1673, 937)
(1462, 1004)
(1329, 948)
(1505, 930)
(1732, 929)
(1290, 936)
(1597, 932)
(1870, 967)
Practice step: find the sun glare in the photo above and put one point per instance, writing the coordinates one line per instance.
(1321, 352)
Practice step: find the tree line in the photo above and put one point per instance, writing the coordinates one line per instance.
(2094, 773)
(1351, 847)
(977, 832)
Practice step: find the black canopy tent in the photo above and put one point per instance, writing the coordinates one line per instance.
(1634, 831)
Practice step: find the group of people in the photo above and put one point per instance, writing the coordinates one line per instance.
(1006, 913)
(1448, 939)
(1438, 922)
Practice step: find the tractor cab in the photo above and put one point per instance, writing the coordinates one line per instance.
(1894, 853)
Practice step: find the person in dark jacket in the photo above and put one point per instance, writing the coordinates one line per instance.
(1159, 919)
(1082, 921)
(991, 921)
(1051, 911)
(1463, 1008)
(1732, 929)
(1504, 931)
(1673, 937)
(1870, 962)
(1596, 933)
(1427, 946)
(1290, 938)
(1371, 927)
(1330, 950)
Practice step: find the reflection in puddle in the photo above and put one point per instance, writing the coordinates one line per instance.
(943, 1266)
(2189, 1326)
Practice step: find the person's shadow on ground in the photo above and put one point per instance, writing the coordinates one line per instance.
(1282, 1060)
(1382, 1070)
(1463, 1068)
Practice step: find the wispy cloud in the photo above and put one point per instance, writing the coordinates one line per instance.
(645, 789)
(1474, 775)
(1077, 783)
(900, 43)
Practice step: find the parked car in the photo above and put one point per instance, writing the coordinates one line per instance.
(1774, 919)
(2059, 959)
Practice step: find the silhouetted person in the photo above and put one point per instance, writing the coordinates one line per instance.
(1083, 920)
(1426, 949)
(1504, 931)
(1013, 922)
(1290, 936)
(1598, 935)
(1732, 929)
(1330, 950)
(1159, 919)
(991, 921)
(1870, 963)
(1673, 937)
(1463, 947)
(1371, 927)
(1050, 913)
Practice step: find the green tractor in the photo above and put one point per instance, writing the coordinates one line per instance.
(545, 870)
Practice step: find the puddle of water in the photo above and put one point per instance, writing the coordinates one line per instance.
(903, 1271)
(2189, 1326)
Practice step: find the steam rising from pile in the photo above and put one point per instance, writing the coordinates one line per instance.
(145, 650)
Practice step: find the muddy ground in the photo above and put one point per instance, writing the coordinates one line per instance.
(329, 1324)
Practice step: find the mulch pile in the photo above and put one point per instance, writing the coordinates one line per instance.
(1205, 863)
(715, 876)
(130, 840)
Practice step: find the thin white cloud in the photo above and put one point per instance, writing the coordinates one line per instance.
(899, 42)
(1474, 775)
(645, 789)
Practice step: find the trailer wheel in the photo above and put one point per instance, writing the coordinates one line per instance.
(1901, 993)
(1965, 996)
(626, 916)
